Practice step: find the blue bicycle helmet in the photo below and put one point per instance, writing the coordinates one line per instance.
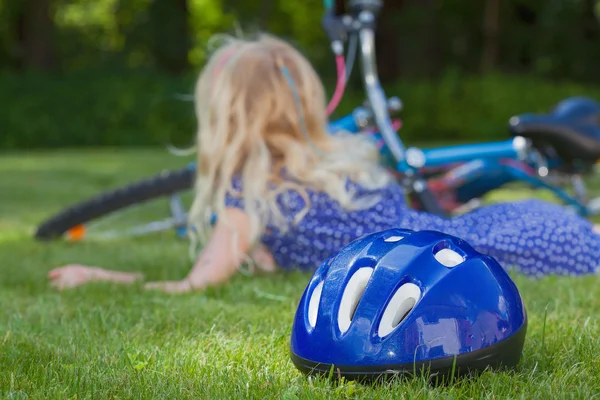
(398, 301)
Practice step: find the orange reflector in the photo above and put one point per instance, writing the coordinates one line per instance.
(76, 233)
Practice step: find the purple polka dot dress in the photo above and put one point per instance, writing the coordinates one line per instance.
(534, 237)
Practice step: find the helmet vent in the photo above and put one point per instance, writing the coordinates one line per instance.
(351, 297)
(398, 308)
(313, 304)
(394, 239)
(448, 257)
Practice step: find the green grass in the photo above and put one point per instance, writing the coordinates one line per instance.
(106, 341)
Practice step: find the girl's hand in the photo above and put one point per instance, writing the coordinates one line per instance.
(182, 286)
(71, 276)
(74, 275)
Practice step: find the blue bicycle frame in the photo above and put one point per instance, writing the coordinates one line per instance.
(482, 167)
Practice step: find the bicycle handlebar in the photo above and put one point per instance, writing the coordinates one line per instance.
(379, 107)
(365, 15)
(364, 22)
(374, 90)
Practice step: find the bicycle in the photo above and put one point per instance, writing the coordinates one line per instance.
(544, 151)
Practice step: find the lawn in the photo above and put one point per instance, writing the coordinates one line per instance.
(106, 341)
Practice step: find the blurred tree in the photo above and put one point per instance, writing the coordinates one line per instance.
(415, 38)
(491, 35)
(7, 33)
(387, 39)
(423, 22)
(103, 34)
(30, 32)
(132, 33)
(523, 21)
(566, 41)
(170, 27)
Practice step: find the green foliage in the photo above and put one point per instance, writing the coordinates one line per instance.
(471, 107)
(134, 33)
(85, 109)
(127, 109)
(477, 108)
(555, 39)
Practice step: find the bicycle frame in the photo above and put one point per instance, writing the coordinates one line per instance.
(472, 170)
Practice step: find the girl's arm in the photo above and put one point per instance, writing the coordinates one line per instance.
(217, 263)
(221, 257)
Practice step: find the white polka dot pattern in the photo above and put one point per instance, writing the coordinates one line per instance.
(534, 237)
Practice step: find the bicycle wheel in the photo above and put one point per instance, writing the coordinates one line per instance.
(73, 222)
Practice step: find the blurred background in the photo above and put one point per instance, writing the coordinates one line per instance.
(79, 73)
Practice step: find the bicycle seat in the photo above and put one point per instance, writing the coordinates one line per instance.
(572, 129)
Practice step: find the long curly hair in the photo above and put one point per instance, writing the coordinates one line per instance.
(252, 124)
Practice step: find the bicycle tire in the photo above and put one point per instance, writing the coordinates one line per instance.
(163, 184)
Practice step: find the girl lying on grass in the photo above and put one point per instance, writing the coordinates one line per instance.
(289, 194)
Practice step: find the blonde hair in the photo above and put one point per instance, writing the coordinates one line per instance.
(254, 125)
